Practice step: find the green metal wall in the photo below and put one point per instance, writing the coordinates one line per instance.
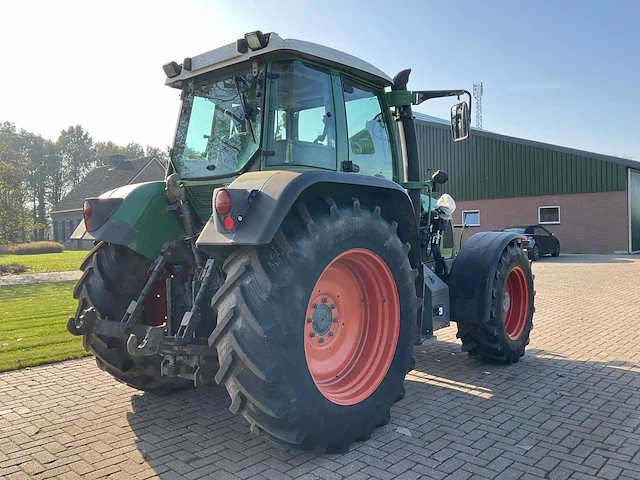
(494, 166)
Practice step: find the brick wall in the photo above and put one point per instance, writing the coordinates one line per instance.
(594, 222)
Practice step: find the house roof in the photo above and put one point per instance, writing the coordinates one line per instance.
(440, 122)
(100, 180)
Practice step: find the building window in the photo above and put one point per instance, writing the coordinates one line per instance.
(549, 215)
(67, 230)
(471, 218)
(60, 231)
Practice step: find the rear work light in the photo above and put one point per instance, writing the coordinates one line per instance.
(87, 210)
(223, 202)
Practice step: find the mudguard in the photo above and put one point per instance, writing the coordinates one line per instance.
(261, 201)
(471, 277)
(135, 216)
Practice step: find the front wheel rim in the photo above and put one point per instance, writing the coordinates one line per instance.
(515, 303)
(352, 326)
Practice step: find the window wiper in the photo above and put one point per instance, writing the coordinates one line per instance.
(244, 106)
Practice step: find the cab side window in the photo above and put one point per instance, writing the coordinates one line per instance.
(368, 138)
(302, 116)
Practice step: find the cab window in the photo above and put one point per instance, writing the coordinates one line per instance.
(302, 116)
(368, 138)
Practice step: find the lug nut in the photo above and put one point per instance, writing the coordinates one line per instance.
(384, 300)
(336, 319)
(309, 320)
(324, 299)
(321, 340)
(333, 306)
(314, 305)
(330, 333)
(312, 334)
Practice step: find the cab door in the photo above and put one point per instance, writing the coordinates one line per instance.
(369, 147)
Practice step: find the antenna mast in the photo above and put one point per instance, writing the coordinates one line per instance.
(477, 94)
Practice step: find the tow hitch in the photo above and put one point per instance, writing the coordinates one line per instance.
(185, 355)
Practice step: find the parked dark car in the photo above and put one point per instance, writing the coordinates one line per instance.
(540, 241)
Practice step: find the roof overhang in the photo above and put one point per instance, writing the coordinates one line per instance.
(228, 55)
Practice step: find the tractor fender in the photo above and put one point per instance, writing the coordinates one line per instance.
(261, 201)
(471, 278)
(135, 216)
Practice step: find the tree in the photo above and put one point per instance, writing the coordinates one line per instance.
(104, 150)
(75, 147)
(160, 154)
(133, 150)
(14, 217)
(37, 150)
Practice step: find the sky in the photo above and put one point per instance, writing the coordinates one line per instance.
(565, 72)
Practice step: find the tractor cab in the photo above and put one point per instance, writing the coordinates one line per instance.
(269, 103)
(283, 104)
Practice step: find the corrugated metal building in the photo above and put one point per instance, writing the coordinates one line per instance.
(591, 202)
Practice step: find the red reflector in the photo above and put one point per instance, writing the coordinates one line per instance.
(87, 211)
(228, 222)
(223, 202)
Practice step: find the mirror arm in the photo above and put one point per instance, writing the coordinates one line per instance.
(424, 95)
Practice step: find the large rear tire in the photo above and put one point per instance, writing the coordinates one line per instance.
(506, 334)
(113, 276)
(332, 267)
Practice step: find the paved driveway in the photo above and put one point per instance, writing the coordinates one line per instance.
(569, 409)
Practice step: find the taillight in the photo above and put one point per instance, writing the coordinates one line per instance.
(223, 203)
(87, 210)
(228, 222)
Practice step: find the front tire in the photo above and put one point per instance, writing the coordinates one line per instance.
(331, 267)
(506, 334)
(113, 276)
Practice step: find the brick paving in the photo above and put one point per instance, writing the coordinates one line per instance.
(569, 409)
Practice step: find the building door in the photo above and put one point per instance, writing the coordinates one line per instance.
(634, 210)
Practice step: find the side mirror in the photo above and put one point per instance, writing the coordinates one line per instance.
(460, 121)
(439, 177)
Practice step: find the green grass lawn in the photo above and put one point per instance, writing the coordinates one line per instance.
(47, 262)
(33, 325)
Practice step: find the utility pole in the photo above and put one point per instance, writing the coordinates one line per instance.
(477, 94)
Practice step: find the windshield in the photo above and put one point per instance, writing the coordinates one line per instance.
(514, 229)
(219, 127)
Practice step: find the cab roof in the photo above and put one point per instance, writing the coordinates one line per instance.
(229, 55)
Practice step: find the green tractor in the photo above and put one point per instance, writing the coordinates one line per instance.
(289, 254)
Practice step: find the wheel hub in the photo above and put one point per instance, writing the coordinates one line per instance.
(506, 301)
(352, 326)
(321, 319)
(515, 302)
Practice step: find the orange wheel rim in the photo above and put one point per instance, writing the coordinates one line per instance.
(515, 303)
(352, 326)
